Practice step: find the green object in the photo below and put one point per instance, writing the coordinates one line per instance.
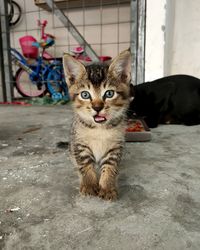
(46, 100)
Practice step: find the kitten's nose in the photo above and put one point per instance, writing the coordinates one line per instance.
(98, 108)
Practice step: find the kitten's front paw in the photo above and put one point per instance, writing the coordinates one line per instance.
(89, 189)
(108, 194)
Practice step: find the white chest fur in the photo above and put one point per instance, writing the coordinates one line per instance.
(100, 140)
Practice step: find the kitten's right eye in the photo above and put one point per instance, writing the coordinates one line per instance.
(85, 95)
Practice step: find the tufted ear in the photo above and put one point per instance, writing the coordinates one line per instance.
(120, 68)
(73, 69)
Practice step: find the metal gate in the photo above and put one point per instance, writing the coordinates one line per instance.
(137, 35)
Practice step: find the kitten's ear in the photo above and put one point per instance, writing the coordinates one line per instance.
(73, 69)
(120, 68)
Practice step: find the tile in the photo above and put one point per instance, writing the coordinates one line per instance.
(35, 33)
(12, 40)
(57, 22)
(16, 93)
(124, 32)
(31, 20)
(92, 16)
(20, 26)
(124, 13)
(109, 50)
(110, 33)
(93, 34)
(30, 5)
(109, 15)
(123, 46)
(21, 2)
(48, 30)
(60, 50)
(75, 16)
(96, 48)
(16, 36)
(61, 36)
(71, 39)
(45, 15)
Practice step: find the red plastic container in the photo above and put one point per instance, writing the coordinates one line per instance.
(28, 50)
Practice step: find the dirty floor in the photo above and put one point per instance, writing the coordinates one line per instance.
(40, 206)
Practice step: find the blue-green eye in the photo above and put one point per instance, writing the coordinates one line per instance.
(109, 94)
(85, 95)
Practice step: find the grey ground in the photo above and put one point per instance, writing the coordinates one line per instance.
(159, 198)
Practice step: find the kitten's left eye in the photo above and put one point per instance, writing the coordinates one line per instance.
(85, 95)
(109, 94)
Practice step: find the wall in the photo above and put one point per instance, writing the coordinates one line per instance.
(107, 29)
(172, 38)
(155, 27)
(183, 38)
(172, 33)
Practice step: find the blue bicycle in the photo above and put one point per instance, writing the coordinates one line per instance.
(45, 74)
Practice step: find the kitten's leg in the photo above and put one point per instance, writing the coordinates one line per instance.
(109, 172)
(89, 182)
(107, 182)
(85, 161)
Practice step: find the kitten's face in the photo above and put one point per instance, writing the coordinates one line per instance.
(100, 94)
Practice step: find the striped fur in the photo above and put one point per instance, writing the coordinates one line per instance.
(96, 147)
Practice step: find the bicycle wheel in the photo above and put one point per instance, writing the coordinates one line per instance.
(10, 11)
(26, 87)
(15, 13)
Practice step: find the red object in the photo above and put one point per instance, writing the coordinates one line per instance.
(47, 56)
(16, 103)
(77, 50)
(78, 55)
(135, 126)
(105, 58)
(137, 131)
(28, 50)
(43, 24)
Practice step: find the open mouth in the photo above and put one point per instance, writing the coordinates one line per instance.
(99, 118)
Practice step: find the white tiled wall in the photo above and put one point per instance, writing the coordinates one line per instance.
(106, 29)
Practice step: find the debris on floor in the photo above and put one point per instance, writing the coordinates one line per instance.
(10, 210)
(46, 100)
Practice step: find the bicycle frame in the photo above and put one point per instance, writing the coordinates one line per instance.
(19, 60)
(44, 74)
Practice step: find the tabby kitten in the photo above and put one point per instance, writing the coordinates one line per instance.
(100, 98)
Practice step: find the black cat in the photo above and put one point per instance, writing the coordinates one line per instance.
(169, 100)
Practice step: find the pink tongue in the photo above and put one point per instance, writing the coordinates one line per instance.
(99, 118)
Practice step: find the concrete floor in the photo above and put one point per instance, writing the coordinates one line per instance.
(40, 206)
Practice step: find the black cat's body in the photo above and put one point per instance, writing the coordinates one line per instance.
(170, 100)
